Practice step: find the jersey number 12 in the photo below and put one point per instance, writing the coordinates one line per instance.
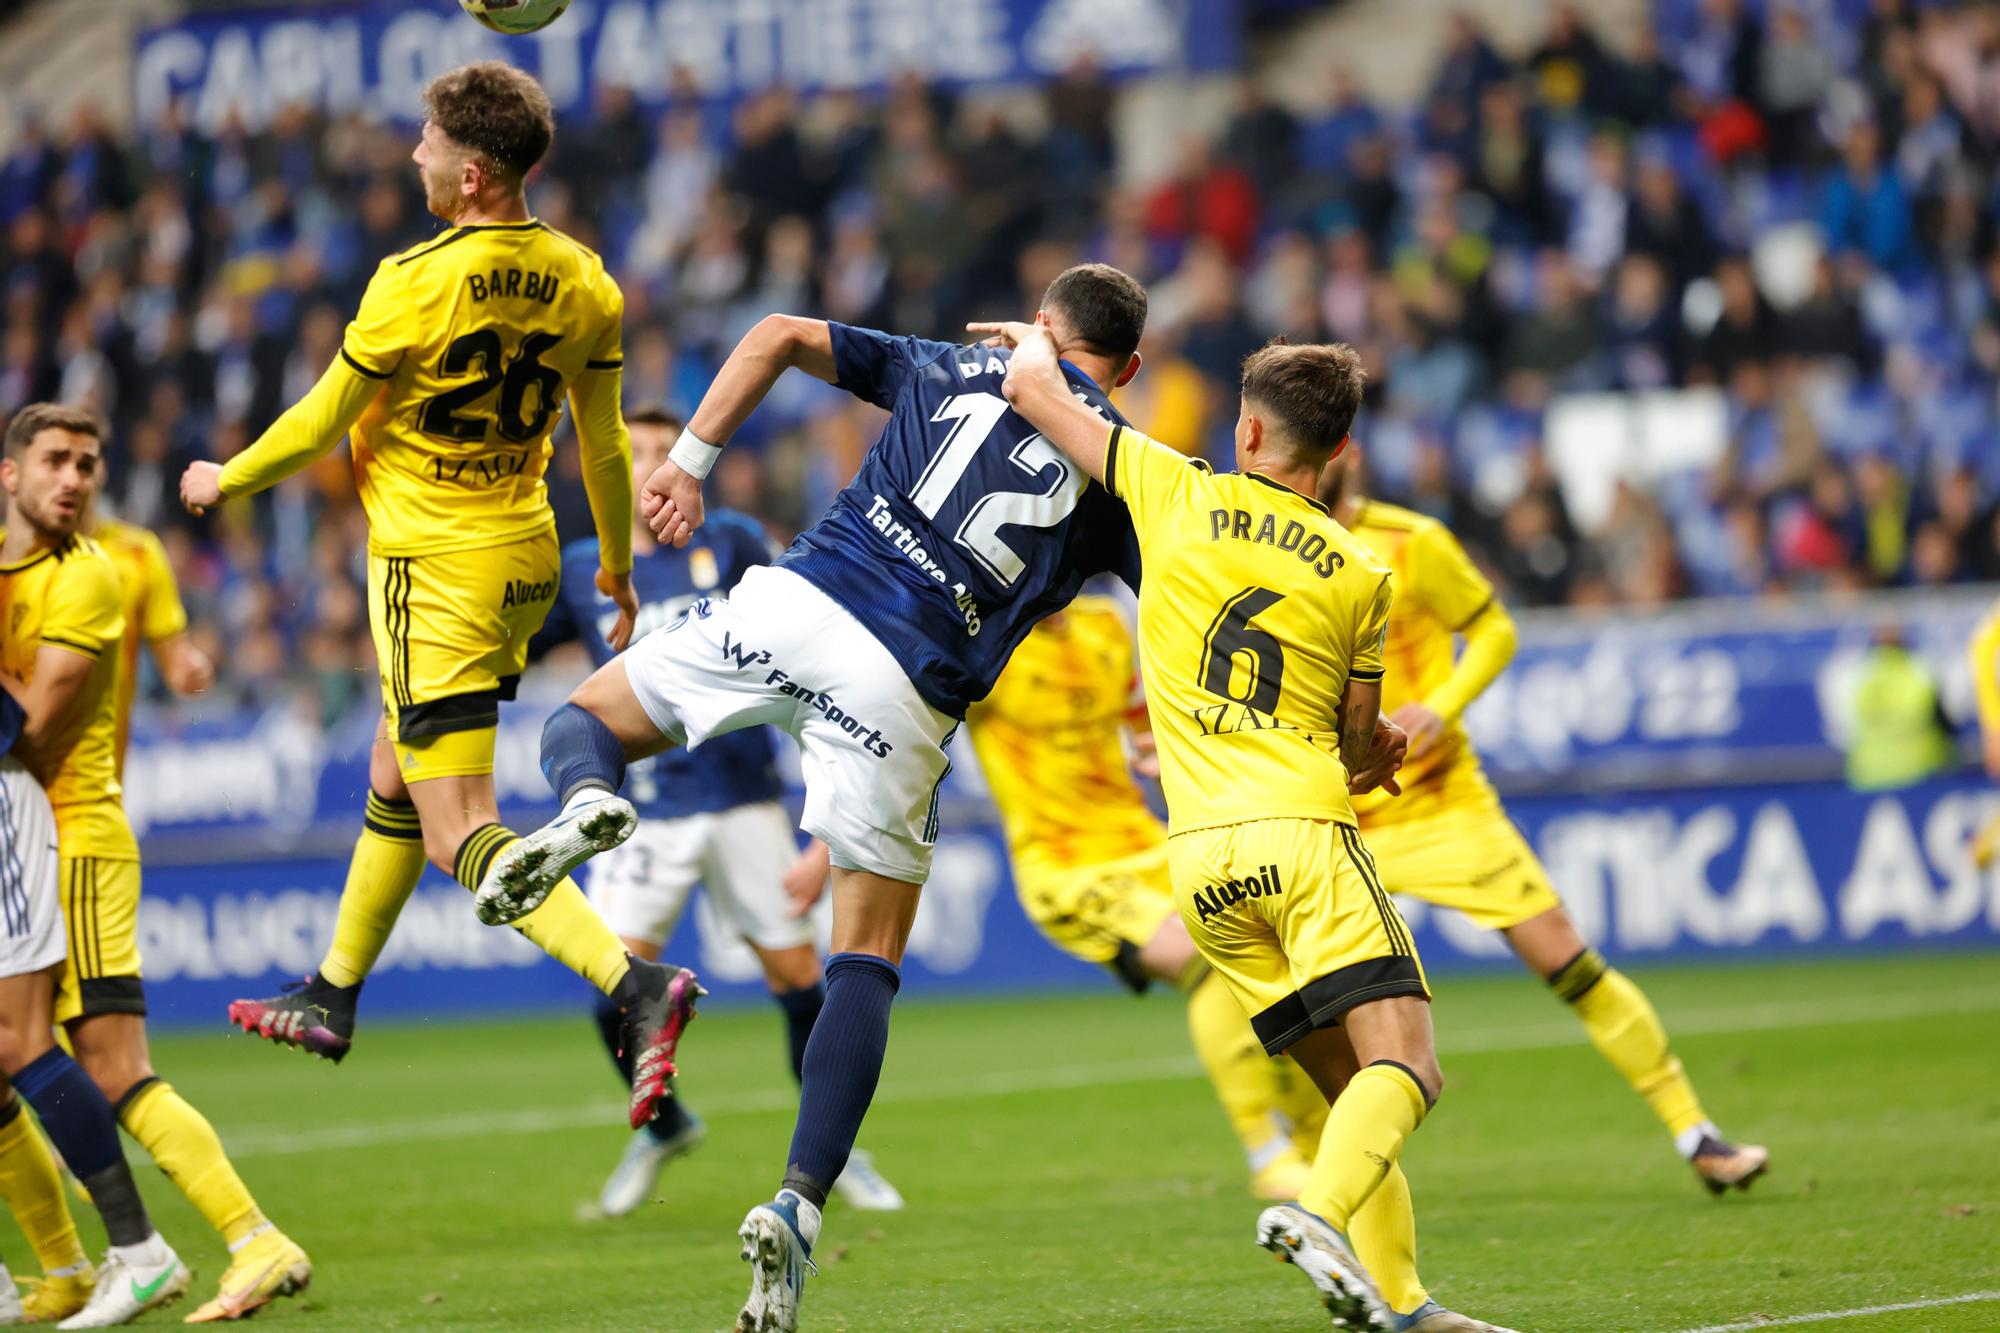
(973, 417)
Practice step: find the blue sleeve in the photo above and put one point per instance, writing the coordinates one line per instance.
(13, 720)
(875, 366)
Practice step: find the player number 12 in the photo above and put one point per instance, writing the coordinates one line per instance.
(973, 417)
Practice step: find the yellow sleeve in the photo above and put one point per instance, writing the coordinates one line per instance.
(162, 616)
(1151, 478)
(1443, 579)
(607, 463)
(309, 429)
(1373, 634)
(1985, 652)
(378, 335)
(608, 352)
(86, 609)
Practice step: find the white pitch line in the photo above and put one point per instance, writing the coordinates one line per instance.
(287, 1140)
(1859, 1312)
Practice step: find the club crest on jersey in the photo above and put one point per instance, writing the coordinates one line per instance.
(1218, 898)
(703, 569)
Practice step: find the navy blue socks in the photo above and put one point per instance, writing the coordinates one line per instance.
(843, 1063)
(81, 1125)
(801, 1012)
(580, 751)
(673, 1117)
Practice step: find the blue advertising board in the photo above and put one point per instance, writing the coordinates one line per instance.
(374, 56)
(1680, 799)
(1798, 868)
(1706, 693)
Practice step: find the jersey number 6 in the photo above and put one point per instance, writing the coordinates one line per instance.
(514, 379)
(1230, 636)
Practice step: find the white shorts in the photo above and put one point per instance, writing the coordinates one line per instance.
(780, 652)
(737, 856)
(31, 922)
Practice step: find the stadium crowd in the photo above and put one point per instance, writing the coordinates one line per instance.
(1580, 218)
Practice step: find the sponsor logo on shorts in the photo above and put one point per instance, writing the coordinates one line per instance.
(733, 649)
(520, 592)
(1219, 898)
(869, 737)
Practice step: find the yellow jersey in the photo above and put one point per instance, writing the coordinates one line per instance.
(1050, 739)
(68, 597)
(475, 336)
(153, 609)
(1256, 610)
(1439, 594)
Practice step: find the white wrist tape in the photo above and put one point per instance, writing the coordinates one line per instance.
(694, 455)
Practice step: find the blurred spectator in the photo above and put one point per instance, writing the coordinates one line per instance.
(1789, 201)
(1898, 732)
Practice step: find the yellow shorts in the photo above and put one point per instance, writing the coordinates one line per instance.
(1103, 913)
(100, 901)
(451, 637)
(1469, 858)
(1291, 913)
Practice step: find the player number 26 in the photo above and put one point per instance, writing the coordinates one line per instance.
(528, 390)
(973, 417)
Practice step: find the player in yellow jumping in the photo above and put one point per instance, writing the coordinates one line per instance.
(1090, 863)
(65, 620)
(451, 378)
(1261, 624)
(1447, 841)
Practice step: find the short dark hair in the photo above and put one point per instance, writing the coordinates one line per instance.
(1314, 390)
(496, 111)
(653, 414)
(1104, 308)
(35, 418)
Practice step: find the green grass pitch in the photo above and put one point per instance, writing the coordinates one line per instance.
(1066, 1168)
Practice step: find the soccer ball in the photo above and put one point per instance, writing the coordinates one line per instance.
(515, 16)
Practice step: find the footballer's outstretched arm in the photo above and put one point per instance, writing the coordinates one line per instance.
(671, 500)
(606, 447)
(308, 430)
(1036, 389)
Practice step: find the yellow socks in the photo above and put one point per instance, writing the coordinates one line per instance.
(32, 1187)
(1247, 1082)
(1364, 1135)
(566, 926)
(1383, 1233)
(1627, 1032)
(388, 862)
(185, 1146)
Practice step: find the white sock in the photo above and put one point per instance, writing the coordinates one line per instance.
(250, 1235)
(809, 1217)
(588, 794)
(1272, 1151)
(1688, 1141)
(151, 1252)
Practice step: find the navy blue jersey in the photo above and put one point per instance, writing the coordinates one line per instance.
(725, 771)
(963, 526)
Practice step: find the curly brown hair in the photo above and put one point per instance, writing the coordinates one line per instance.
(1312, 389)
(496, 111)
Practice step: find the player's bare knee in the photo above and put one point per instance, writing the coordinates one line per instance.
(789, 969)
